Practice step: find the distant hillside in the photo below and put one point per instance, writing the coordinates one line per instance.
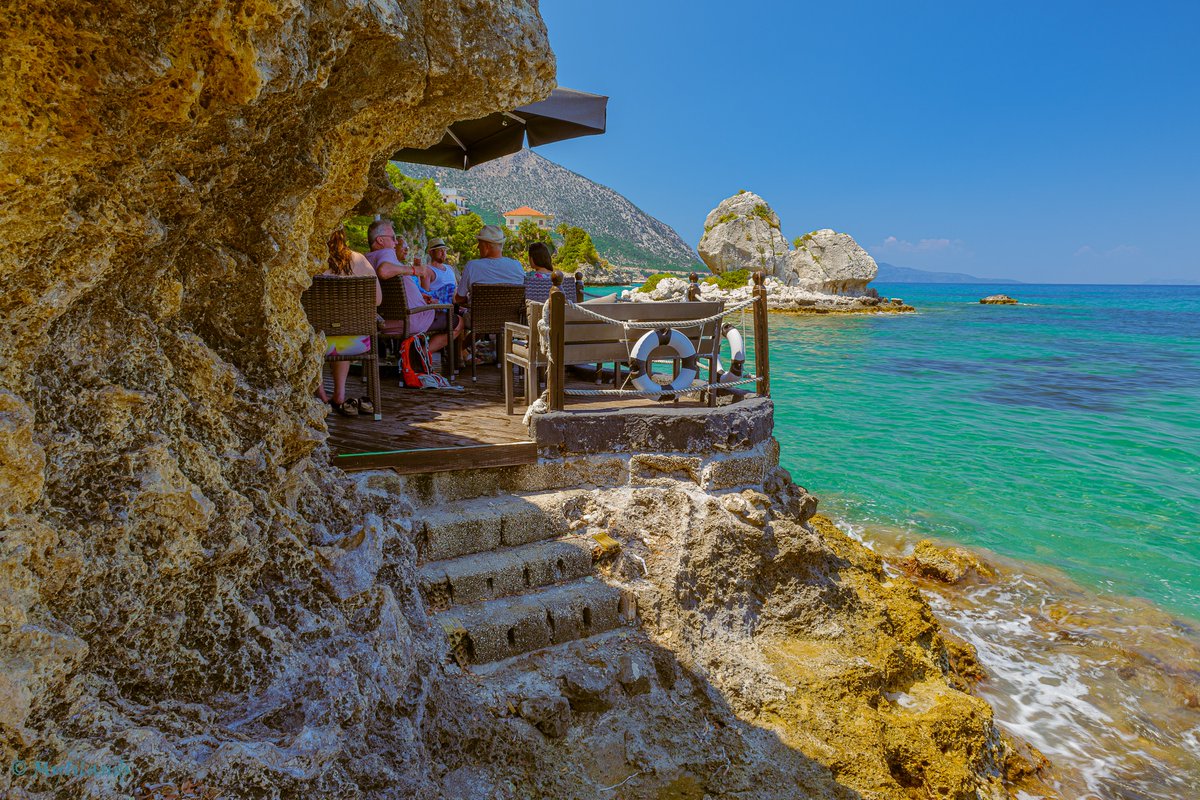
(623, 233)
(890, 273)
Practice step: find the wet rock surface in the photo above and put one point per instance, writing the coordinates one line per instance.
(998, 300)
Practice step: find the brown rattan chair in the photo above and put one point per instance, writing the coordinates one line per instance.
(491, 306)
(395, 306)
(338, 306)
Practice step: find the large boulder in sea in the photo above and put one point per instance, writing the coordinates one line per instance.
(743, 233)
(829, 262)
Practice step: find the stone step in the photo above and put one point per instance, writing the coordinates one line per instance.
(501, 573)
(510, 626)
(486, 523)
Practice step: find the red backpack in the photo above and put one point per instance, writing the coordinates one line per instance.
(414, 361)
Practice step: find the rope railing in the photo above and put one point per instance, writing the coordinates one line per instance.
(649, 326)
(551, 328)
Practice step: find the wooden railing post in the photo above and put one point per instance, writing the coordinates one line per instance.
(693, 292)
(579, 296)
(762, 359)
(556, 373)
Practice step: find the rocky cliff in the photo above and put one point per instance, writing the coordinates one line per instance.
(623, 233)
(171, 171)
(742, 232)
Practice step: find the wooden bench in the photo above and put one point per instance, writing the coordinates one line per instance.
(586, 340)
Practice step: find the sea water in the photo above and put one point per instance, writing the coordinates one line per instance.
(1061, 434)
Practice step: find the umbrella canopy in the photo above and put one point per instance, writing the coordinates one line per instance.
(565, 114)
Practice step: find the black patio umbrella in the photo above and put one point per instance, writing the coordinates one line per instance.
(565, 114)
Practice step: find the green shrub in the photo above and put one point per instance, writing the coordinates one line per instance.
(762, 212)
(652, 282)
(801, 242)
(730, 280)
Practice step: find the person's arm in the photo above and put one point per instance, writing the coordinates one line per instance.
(463, 288)
(389, 270)
(426, 277)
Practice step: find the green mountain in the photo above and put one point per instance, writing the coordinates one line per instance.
(622, 232)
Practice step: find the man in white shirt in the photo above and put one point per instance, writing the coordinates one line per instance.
(492, 266)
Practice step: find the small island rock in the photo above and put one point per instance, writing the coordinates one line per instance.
(744, 233)
(998, 300)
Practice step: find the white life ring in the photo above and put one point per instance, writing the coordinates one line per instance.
(737, 355)
(639, 359)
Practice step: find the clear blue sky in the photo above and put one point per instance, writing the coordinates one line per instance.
(1051, 141)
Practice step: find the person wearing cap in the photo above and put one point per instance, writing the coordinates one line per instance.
(439, 284)
(442, 281)
(492, 266)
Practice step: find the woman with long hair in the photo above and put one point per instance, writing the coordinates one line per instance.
(345, 263)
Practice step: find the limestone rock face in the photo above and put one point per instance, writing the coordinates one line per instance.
(170, 173)
(743, 233)
(829, 262)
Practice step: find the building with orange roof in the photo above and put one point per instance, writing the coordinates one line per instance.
(518, 215)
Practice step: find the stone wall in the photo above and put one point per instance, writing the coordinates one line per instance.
(170, 174)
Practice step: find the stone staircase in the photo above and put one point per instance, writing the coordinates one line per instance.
(505, 575)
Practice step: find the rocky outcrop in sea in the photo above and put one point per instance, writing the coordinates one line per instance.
(742, 232)
(780, 298)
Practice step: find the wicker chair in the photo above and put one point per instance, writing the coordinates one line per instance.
(339, 306)
(492, 305)
(538, 289)
(395, 306)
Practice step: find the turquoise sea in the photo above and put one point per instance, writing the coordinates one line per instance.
(1064, 430)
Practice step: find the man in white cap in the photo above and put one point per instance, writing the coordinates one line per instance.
(491, 266)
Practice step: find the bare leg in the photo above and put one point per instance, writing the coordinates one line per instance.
(341, 371)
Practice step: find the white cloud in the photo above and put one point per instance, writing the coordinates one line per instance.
(895, 245)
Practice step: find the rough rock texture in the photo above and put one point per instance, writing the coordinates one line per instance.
(794, 628)
(170, 174)
(945, 564)
(742, 232)
(998, 300)
(830, 262)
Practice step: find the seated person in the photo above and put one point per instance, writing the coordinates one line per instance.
(388, 251)
(345, 263)
(539, 281)
(492, 266)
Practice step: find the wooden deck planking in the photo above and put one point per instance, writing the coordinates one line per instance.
(425, 419)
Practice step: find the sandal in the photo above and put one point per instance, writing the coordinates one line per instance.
(365, 406)
(346, 409)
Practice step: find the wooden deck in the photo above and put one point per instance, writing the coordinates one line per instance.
(428, 430)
